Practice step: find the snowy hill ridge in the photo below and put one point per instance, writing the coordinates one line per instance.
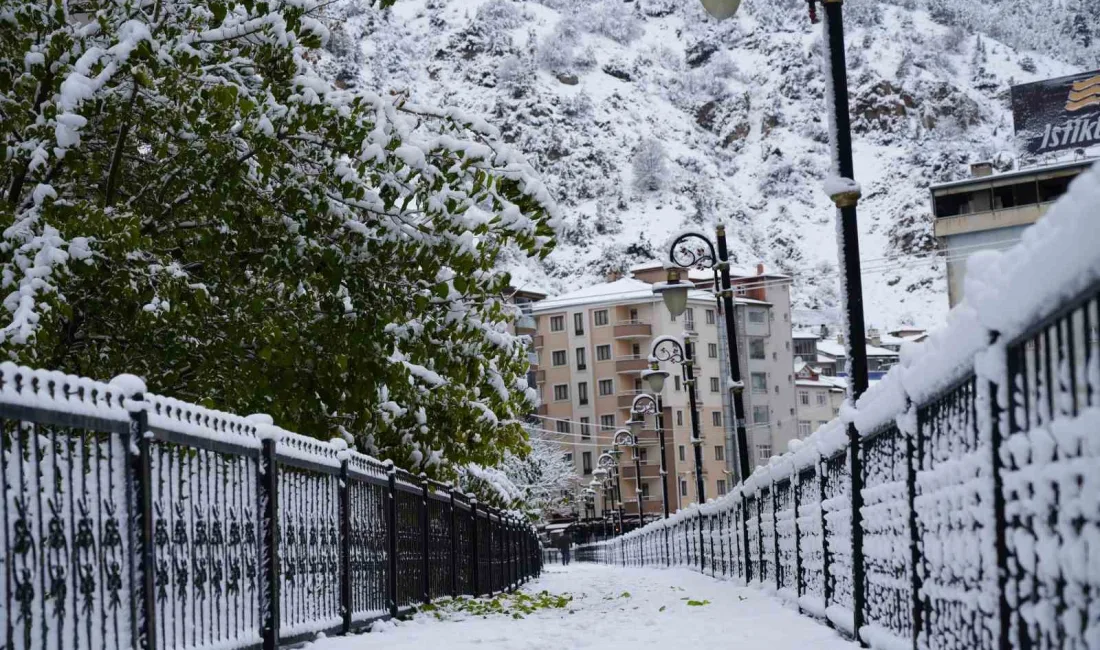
(648, 117)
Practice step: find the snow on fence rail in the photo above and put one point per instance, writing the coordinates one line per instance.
(979, 507)
(136, 520)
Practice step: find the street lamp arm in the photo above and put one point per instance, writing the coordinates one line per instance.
(693, 249)
(668, 348)
(644, 404)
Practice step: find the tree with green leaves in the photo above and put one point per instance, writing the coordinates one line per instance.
(185, 197)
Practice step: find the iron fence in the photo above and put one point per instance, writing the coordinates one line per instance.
(980, 509)
(139, 521)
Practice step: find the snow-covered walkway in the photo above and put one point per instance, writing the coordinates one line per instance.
(615, 608)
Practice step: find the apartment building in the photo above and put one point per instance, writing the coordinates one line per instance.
(819, 397)
(592, 346)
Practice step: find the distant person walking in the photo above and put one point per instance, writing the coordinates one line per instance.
(563, 548)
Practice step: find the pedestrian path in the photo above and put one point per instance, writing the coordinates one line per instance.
(612, 608)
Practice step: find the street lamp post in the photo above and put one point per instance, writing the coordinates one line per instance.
(624, 438)
(695, 250)
(845, 193)
(646, 404)
(668, 348)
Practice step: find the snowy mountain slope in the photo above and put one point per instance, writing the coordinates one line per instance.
(648, 117)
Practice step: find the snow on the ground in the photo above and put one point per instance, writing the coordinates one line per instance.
(628, 608)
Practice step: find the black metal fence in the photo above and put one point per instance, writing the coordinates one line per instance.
(979, 509)
(140, 521)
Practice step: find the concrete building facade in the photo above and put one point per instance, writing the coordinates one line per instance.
(592, 346)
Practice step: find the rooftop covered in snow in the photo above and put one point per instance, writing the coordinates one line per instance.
(623, 290)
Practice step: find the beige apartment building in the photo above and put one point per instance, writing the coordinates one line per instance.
(592, 346)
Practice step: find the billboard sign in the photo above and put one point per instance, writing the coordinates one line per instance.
(1058, 114)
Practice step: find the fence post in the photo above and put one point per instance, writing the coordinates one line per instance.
(702, 555)
(856, 476)
(826, 586)
(143, 556)
(454, 544)
(796, 481)
(489, 564)
(269, 524)
(1000, 524)
(911, 453)
(775, 534)
(425, 540)
(745, 539)
(474, 555)
(391, 537)
(345, 544)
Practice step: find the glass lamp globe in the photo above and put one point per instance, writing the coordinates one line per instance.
(721, 9)
(674, 292)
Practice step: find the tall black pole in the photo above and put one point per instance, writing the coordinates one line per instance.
(846, 197)
(728, 307)
(696, 438)
(638, 479)
(661, 437)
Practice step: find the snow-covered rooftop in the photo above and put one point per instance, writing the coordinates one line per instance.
(834, 349)
(832, 383)
(981, 180)
(804, 336)
(695, 275)
(621, 290)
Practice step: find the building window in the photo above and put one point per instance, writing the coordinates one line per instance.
(764, 452)
(804, 397)
(600, 317)
(805, 348)
(712, 350)
(561, 392)
(563, 427)
(821, 423)
(607, 421)
(756, 349)
(645, 490)
(822, 398)
(719, 452)
(804, 428)
(569, 458)
(603, 352)
(558, 358)
(721, 486)
(689, 319)
(757, 316)
(683, 488)
(586, 462)
(581, 360)
(557, 323)
(759, 382)
(643, 454)
(578, 324)
(607, 387)
(676, 383)
(714, 385)
(679, 418)
(586, 429)
(716, 418)
(710, 317)
(582, 392)
(682, 453)
(760, 414)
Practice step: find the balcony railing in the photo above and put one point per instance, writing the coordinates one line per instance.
(631, 363)
(628, 329)
(525, 322)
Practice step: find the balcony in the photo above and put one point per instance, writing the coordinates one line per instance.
(651, 504)
(631, 363)
(649, 470)
(543, 410)
(540, 376)
(536, 341)
(632, 329)
(525, 324)
(626, 398)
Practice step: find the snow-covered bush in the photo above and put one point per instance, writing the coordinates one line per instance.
(556, 52)
(650, 166)
(515, 75)
(612, 19)
(500, 14)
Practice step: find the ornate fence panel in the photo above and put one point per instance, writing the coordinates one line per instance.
(138, 521)
(888, 606)
(67, 536)
(837, 514)
(811, 575)
(786, 540)
(957, 569)
(1051, 459)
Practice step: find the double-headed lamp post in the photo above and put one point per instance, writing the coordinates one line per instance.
(672, 349)
(644, 405)
(695, 250)
(845, 194)
(609, 463)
